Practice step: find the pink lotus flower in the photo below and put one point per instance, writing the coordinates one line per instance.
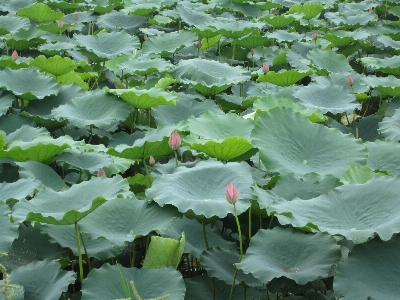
(314, 35)
(199, 44)
(76, 17)
(14, 55)
(145, 36)
(350, 80)
(152, 161)
(232, 194)
(60, 23)
(69, 28)
(101, 173)
(252, 51)
(174, 141)
(265, 67)
(371, 10)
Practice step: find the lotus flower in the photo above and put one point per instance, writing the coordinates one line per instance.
(60, 23)
(101, 173)
(69, 28)
(14, 55)
(232, 194)
(350, 80)
(314, 35)
(199, 44)
(252, 51)
(265, 67)
(152, 161)
(174, 141)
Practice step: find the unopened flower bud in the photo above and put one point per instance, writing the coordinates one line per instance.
(60, 23)
(101, 173)
(252, 51)
(232, 194)
(152, 161)
(350, 80)
(199, 44)
(69, 28)
(314, 35)
(174, 141)
(14, 55)
(265, 67)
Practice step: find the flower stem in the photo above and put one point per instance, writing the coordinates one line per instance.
(241, 249)
(204, 233)
(176, 158)
(78, 240)
(147, 171)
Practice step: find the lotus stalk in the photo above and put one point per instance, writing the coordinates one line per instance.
(175, 142)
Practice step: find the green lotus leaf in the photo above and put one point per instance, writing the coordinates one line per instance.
(10, 24)
(357, 203)
(193, 229)
(123, 220)
(7, 100)
(350, 18)
(234, 29)
(211, 125)
(57, 280)
(285, 36)
(29, 246)
(117, 20)
(279, 21)
(340, 79)
(267, 5)
(104, 6)
(304, 187)
(268, 102)
(9, 230)
(168, 43)
(388, 65)
(387, 41)
(143, 99)
(164, 252)
(220, 263)
(252, 41)
(56, 48)
(65, 236)
(354, 279)
(40, 13)
(304, 259)
(389, 85)
(28, 84)
(69, 207)
(329, 60)
(223, 149)
(201, 189)
(144, 66)
(155, 143)
(186, 106)
(196, 18)
(116, 282)
(11, 6)
(310, 10)
(25, 134)
(108, 45)
(18, 190)
(343, 38)
(42, 148)
(358, 175)
(142, 9)
(284, 77)
(328, 98)
(56, 65)
(12, 122)
(209, 77)
(312, 147)
(94, 108)
(90, 161)
(389, 127)
(383, 156)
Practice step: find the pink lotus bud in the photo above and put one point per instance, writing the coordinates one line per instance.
(76, 17)
(350, 80)
(252, 51)
(199, 44)
(265, 67)
(60, 23)
(314, 35)
(69, 28)
(174, 141)
(232, 194)
(145, 36)
(101, 173)
(371, 10)
(14, 55)
(152, 161)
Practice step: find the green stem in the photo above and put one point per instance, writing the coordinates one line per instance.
(96, 82)
(86, 253)
(233, 52)
(133, 255)
(149, 116)
(233, 283)
(176, 158)
(270, 222)
(91, 134)
(204, 232)
(239, 231)
(147, 170)
(78, 240)
(250, 220)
